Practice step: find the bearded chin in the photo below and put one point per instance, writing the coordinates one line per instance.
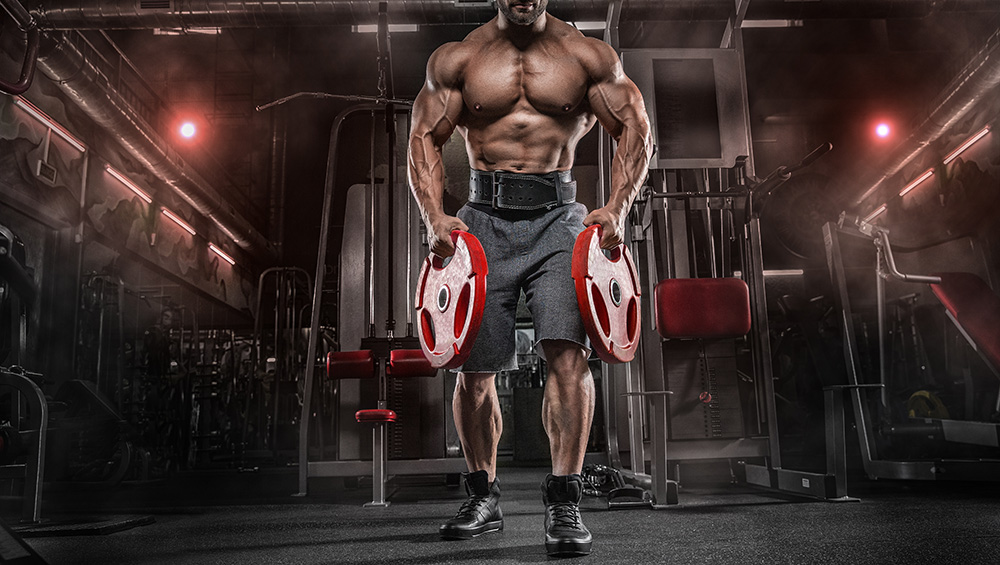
(520, 19)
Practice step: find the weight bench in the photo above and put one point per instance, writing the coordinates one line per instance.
(975, 310)
(402, 363)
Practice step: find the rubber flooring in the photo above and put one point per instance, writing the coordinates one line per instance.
(225, 517)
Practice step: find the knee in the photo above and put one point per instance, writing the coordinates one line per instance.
(474, 385)
(566, 360)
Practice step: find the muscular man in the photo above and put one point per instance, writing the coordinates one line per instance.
(522, 90)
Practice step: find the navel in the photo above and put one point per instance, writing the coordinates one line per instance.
(477, 107)
(567, 107)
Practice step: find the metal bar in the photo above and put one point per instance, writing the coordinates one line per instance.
(34, 467)
(890, 263)
(836, 442)
(379, 457)
(317, 299)
(835, 263)
(385, 80)
(663, 492)
(880, 313)
(761, 337)
(636, 417)
(27, 74)
(372, 234)
(710, 231)
(711, 449)
(734, 23)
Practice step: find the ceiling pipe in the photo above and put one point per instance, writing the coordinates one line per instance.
(973, 83)
(61, 61)
(26, 23)
(150, 14)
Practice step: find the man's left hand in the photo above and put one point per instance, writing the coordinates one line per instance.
(612, 226)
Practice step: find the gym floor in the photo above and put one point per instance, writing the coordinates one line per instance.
(248, 518)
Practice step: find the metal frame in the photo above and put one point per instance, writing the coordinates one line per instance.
(875, 466)
(33, 470)
(645, 376)
(380, 467)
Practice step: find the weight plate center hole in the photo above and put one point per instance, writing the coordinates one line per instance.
(444, 297)
(616, 292)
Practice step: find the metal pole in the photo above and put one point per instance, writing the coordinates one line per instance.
(317, 299)
(371, 232)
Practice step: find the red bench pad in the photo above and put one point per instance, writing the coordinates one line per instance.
(375, 415)
(350, 364)
(975, 307)
(404, 363)
(702, 308)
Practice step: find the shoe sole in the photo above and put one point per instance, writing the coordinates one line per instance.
(486, 528)
(566, 547)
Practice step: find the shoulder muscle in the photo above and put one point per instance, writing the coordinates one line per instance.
(600, 60)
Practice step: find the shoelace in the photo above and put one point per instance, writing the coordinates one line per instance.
(565, 514)
(471, 506)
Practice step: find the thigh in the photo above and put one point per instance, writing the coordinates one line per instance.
(549, 289)
(494, 349)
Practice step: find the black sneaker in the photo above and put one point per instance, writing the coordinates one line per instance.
(480, 514)
(565, 533)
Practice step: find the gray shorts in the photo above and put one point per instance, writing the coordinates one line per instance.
(534, 255)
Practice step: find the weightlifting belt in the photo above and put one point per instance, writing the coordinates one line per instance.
(504, 190)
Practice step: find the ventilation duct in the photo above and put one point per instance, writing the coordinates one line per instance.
(62, 61)
(150, 14)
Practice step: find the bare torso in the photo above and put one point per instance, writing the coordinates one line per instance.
(525, 106)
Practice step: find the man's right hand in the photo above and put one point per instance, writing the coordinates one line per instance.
(439, 236)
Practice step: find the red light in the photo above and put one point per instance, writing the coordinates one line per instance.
(188, 130)
(882, 130)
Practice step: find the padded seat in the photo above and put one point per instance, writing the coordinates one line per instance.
(375, 415)
(406, 363)
(711, 308)
(975, 307)
(350, 364)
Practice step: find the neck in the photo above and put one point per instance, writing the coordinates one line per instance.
(522, 33)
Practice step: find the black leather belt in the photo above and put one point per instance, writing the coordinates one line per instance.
(504, 190)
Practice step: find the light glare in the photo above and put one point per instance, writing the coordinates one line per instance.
(188, 130)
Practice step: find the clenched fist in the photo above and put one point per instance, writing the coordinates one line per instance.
(439, 235)
(612, 226)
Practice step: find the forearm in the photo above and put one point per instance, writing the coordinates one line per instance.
(426, 175)
(629, 167)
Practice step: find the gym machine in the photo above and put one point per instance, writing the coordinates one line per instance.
(23, 435)
(276, 361)
(701, 387)
(938, 446)
(373, 252)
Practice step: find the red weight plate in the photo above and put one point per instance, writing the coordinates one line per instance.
(450, 300)
(607, 289)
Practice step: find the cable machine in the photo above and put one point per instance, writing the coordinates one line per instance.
(701, 387)
(369, 351)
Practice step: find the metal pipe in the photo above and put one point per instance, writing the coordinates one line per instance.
(27, 66)
(890, 263)
(372, 233)
(112, 14)
(880, 309)
(83, 83)
(21, 16)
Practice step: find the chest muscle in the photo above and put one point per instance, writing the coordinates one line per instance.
(503, 80)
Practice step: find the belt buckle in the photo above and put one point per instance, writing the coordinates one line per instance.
(495, 185)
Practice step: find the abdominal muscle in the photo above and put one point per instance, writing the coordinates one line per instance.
(525, 141)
